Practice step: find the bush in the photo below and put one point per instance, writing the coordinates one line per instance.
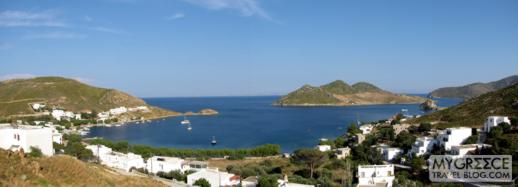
(35, 152)
(471, 140)
(202, 183)
(268, 181)
(424, 127)
(506, 127)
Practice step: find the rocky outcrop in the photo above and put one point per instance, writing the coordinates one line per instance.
(429, 105)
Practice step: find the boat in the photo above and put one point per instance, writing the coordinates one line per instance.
(185, 121)
(213, 142)
(189, 128)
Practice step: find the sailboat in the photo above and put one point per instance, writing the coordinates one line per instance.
(185, 121)
(213, 142)
(189, 128)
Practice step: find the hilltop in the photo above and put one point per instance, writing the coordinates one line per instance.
(339, 93)
(61, 170)
(473, 112)
(475, 89)
(17, 95)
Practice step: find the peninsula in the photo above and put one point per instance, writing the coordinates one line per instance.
(339, 93)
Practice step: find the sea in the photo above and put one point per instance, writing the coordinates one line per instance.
(250, 121)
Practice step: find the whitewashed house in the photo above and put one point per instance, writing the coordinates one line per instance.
(285, 183)
(194, 165)
(462, 150)
(37, 106)
(366, 129)
(453, 137)
(251, 181)
(23, 137)
(375, 175)
(117, 160)
(493, 121)
(422, 145)
(342, 153)
(164, 164)
(58, 114)
(324, 148)
(215, 177)
(103, 116)
(139, 108)
(119, 110)
(390, 153)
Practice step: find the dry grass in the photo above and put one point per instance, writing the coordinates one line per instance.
(222, 164)
(16, 170)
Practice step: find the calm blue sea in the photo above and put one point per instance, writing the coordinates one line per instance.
(249, 121)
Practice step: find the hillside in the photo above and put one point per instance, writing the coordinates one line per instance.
(339, 93)
(72, 95)
(473, 112)
(475, 89)
(16, 170)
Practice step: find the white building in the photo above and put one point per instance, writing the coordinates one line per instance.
(117, 160)
(366, 129)
(37, 106)
(103, 115)
(453, 137)
(422, 145)
(139, 108)
(390, 153)
(375, 175)
(342, 153)
(324, 148)
(24, 137)
(215, 177)
(194, 165)
(286, 183)
(493, 121)
(117, 111)
(462, 150)
(164, 164)
(58, 114)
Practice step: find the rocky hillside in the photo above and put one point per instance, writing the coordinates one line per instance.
(339, 93)
(17, 170)
(475, 89)
(473, 112)
(72, 95)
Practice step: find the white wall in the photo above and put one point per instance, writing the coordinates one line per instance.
(29, 136)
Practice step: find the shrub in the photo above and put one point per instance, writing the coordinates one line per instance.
(35, 152)
(202, 183)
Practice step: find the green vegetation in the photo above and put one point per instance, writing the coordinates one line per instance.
(268, 181)
(340, 93)
(474, 112)
(312, 158)
(75, 148)
(474, 90)
(202, 183)
(176, 174)
(35, 152)
(148, 151)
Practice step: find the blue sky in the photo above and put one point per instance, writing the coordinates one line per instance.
(251, 47)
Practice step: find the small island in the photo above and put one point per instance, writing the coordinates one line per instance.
(339, 93)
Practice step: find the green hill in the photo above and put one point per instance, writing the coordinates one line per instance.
(473, 112)
(339, 93)
(475, 89)
(72, 95)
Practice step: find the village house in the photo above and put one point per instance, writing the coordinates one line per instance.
(103, 116)
(390, 153)
(453, 137)
(493, 121)
(375, 175)
(421, 146)
(139, 108)
(462, 150)
(342, 153)
(366, 129)
(118, 111)
(37, 106)
(251, 181)
(164, 164)
(194, 165)
(324, 148)
(285, 183)
(117, 160)
(23, 137)
(215, 177)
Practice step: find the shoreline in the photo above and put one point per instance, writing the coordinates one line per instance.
(338, 105)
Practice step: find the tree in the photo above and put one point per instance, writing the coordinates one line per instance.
(353, 129)
(267, 181)
(495, 132)
(506, 127)
(404, 140)
(202, 183)
(417, 164)
(471, 140)
(424, 127)
(35, 152)
(312, 158)
(387, 133)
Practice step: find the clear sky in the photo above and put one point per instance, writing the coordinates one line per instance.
(152, 48)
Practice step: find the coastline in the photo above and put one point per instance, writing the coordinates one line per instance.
(338, 104)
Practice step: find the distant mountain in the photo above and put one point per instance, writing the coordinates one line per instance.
(473, 112)
(17, 95)
(475, 89)
(339, 93)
